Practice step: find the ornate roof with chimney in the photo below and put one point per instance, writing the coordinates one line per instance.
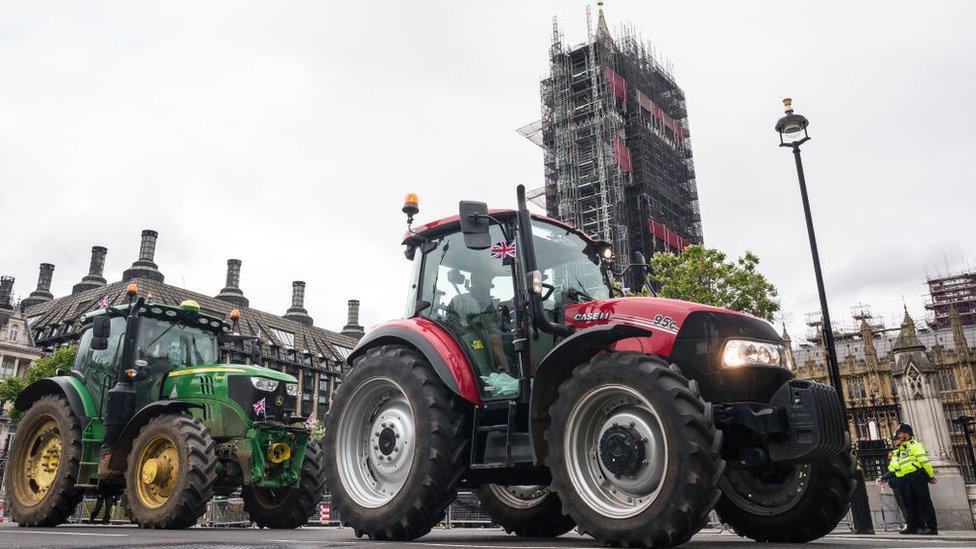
(96, 271)
(288, 339)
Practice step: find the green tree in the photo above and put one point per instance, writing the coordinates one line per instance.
(61, 359)
(704, 275)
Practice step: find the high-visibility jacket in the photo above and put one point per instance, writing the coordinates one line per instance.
(910, 456)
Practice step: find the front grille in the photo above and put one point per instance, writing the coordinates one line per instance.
(242, 391)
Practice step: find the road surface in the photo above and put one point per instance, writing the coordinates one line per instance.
(461, 538)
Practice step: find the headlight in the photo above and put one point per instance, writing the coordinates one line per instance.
(291, 389)
(264, 384)
(743, 352)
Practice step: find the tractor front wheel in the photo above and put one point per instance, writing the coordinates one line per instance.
(171, 473)
(526, 511)
(396, 440)
(788, 503)
(40, 479)
(633, 451)
(288, 507)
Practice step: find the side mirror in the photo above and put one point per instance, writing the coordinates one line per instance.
(101, 329)
(101, 326)
(474, 224)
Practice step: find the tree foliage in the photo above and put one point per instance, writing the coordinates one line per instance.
(704, 275)
(61, 359)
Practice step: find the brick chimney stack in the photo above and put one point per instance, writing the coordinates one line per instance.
(43, 292)
(144, 267)
(353, 328)
(297, 310)
(96, 271)
(6, 292)
(232, 292)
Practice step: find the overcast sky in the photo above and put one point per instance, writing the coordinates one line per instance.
(286, 134)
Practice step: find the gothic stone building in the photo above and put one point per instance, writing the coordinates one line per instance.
(290, 342)
(17, 352)
(866, 365)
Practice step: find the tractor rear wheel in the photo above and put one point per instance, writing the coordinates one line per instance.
(396, 440)
(633, 451)
(527, 511)
(41, 472)
(288, 507)
(171, 472)
(788, 503)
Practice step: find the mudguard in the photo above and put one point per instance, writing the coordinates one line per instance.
(437, 345)
(558, 367)
(73, 390)
(121, 450)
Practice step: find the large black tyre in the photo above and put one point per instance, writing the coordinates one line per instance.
(171, 492)
(396, 445)
(633, 451)
(289, 507)
(43, 466)
(536, 514)
(793, 504)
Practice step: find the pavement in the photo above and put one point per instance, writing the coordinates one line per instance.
(459, 538)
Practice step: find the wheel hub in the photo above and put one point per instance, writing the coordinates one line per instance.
(616, 451)
(158, 467)
(375, 443)
(39, 461)
(387, 441)
(622, 450)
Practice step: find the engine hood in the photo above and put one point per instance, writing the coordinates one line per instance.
(663, 317)
(691, 335)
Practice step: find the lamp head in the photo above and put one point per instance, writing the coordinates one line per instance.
(792, 128)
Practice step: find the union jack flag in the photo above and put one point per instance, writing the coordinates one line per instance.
(103, 303)
(260, 407)
(311, 421)
(502, 250)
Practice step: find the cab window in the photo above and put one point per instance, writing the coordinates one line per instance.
(471, 294)
(167, 345)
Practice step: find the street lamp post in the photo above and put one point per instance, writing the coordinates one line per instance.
(792, 130)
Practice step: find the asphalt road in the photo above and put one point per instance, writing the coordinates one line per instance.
(461, 538)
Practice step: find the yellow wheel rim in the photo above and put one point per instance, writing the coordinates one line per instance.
(157, 472)
(38, 461)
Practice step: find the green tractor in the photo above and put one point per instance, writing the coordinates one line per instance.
(149, 414)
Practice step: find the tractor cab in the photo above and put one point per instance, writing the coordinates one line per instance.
(165, 338)
(473, 292)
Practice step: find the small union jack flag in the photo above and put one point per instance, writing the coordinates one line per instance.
(311, 421)
(103, 303)
(502, 250)
(260, 407)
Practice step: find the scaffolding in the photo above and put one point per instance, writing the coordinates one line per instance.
(951, 294)
(617, 151)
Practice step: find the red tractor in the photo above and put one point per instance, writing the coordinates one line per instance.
(518, 373)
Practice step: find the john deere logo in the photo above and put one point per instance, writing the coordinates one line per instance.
(279, 400)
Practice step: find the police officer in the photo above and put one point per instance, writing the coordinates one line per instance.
(910, 464)
(895, 482)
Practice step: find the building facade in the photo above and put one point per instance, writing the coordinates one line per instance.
(866, 358)
(290, 342)
(17, 353)
(617, 149)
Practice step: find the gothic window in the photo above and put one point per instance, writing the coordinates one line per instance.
(946, 380)
(914, 380)
(855, 388)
